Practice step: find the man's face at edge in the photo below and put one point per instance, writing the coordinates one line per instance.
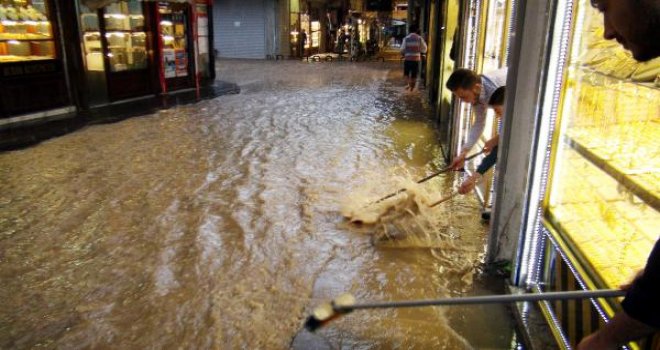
(635, 24)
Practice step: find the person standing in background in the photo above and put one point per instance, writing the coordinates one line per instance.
(303, 42)
(412, 48)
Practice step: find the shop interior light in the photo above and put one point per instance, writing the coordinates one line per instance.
(168, 37)
(32, 23)
(8, 23)
(165, 23)
(294, 32)
(110, 54)
(120, 34)
(13, 42)
(115, 15)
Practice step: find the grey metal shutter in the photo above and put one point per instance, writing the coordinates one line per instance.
(239, 28)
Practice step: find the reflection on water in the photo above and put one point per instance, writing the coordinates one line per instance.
(217, 225)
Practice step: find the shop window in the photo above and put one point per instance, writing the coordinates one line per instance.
(203, 55)
(304, 25)
(93, 50)
(174, 38)
(604, 181)
(125, 36)
(315, 34)
(26, 32)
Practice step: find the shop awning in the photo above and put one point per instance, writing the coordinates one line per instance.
(97, 4)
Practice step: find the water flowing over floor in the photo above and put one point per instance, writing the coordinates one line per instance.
(218, 225)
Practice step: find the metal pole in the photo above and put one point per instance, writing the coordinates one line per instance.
(487, 299)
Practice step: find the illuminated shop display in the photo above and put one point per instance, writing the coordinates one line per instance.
(304, 25)
(315, 34)
(449, 20)
(598, 172)
(605, 175)
(496, 34)
(93, 50)
(26, 33)
(174, 37)
(125, 36)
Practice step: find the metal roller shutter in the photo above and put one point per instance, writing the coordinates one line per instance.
(239, 28)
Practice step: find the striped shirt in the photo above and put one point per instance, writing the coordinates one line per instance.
(412, 47)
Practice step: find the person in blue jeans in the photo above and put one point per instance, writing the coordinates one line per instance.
(496, 102)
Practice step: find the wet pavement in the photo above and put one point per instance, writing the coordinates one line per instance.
(217, 225)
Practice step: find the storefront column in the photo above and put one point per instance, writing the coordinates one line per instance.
(516, 204)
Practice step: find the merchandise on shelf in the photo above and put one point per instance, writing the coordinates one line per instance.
(25, 32)
(604, 190)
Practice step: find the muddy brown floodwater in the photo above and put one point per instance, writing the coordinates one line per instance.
(217, 225)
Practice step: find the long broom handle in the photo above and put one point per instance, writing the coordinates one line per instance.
(487, 299)
(443, 199)
(442, 171)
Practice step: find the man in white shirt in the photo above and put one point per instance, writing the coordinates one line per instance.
(476, 90)
(412, 48)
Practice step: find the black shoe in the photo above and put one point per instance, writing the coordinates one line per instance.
(485, 216)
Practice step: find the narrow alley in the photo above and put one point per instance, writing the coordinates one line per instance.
(218, 225)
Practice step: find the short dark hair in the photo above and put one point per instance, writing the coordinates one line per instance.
(462, 78)
(413, 28)
(497, 98)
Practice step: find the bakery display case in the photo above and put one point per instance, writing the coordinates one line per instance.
(26, 32)
(604, 183)
(32, 65)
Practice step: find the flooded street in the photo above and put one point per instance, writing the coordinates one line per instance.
(218, 225)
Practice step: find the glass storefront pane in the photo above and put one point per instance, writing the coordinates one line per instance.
(495, 35)
(93, 50)
(25, 31)
(203, 57)
(174, 36)
(125, 35)
(605, 177)
(315, 34)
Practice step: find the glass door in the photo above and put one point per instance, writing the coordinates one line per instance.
(176, 50)
(124, 35)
